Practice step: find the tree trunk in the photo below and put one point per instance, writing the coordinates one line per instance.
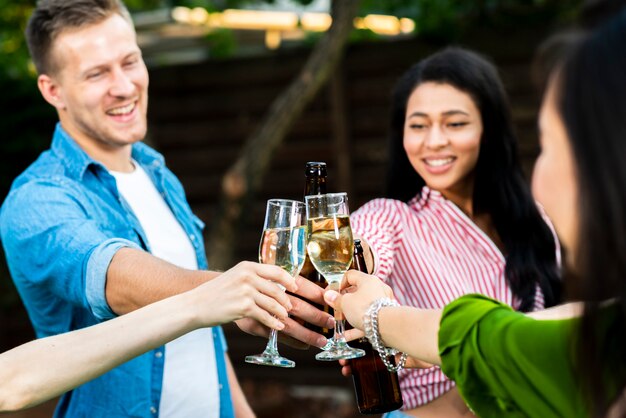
(244, 178)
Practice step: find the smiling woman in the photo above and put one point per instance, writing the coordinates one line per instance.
(464, 220)
(569, 360)
(442, 136)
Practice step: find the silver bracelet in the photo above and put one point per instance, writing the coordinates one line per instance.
(370, 326)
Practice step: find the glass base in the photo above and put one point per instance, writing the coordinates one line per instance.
(328, 346)
(338, 352)
(264, 359)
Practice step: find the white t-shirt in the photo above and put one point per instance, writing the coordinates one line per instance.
(190, 385)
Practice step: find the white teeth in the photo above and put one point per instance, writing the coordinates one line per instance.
(439, 162)
(122, 110)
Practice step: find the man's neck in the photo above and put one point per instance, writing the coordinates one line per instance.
(121, 165)
(113, 157)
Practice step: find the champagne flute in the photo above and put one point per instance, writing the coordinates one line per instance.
(330, 247)
(283, 243)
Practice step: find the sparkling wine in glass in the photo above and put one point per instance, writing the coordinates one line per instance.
(283, 243)
(330, 247)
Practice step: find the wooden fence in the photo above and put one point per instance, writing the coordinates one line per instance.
(201, 114)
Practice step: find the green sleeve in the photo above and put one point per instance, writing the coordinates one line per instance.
(506, 364)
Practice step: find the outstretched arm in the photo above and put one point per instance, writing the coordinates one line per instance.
(45, 368)
(136, 278)
(410, 330)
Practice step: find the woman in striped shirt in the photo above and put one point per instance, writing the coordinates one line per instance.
(459, 217)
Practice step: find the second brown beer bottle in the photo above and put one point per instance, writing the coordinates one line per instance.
(315, 183)
(377, 389)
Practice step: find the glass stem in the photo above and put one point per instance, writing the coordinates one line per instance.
(339, 329)
(272, 343)
(339, 321)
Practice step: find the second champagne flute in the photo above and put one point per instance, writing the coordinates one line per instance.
(283, 244)
(330, 247)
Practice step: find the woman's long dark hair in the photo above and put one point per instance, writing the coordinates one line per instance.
(591, 100)
(500, 189)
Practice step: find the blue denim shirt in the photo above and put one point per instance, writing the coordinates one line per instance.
(61, 224)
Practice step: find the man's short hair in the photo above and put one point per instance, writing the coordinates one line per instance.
(51, 17)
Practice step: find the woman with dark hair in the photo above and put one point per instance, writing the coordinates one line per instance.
(459, 217)
(511, 364)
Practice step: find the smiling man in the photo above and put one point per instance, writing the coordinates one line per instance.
(98, 226)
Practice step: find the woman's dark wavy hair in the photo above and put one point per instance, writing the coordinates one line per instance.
(590, 88)
(500, 189)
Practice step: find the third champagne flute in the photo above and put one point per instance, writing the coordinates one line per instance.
(330, 247)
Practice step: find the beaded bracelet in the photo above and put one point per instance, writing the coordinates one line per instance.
(370, 326)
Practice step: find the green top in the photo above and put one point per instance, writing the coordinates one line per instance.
(506, 364)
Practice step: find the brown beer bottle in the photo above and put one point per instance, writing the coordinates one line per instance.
(377, 389)
(315, 173)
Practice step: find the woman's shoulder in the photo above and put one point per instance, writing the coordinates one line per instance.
(386, 211)
(523, 355)
(380, 205)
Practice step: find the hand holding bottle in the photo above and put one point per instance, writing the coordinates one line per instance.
(411, 363)
(377, 389)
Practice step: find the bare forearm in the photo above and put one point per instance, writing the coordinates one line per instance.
(136, 278)
(45, 368)
(567, 311)
(412, 331)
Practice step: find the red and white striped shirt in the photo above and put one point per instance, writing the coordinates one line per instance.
(430, 253)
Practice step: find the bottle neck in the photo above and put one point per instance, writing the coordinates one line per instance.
(315, 185)
(358, 261)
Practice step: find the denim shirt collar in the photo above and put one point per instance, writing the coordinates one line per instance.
(77, 161)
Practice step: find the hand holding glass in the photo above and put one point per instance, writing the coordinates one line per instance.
(283, 243)
(330, 248)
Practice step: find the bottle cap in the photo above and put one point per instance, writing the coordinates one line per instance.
(315, 167)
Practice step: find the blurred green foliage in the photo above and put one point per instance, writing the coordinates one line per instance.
(13, 52)
(447, 19)
(450, 19)
(222, 43)
(26, 119)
